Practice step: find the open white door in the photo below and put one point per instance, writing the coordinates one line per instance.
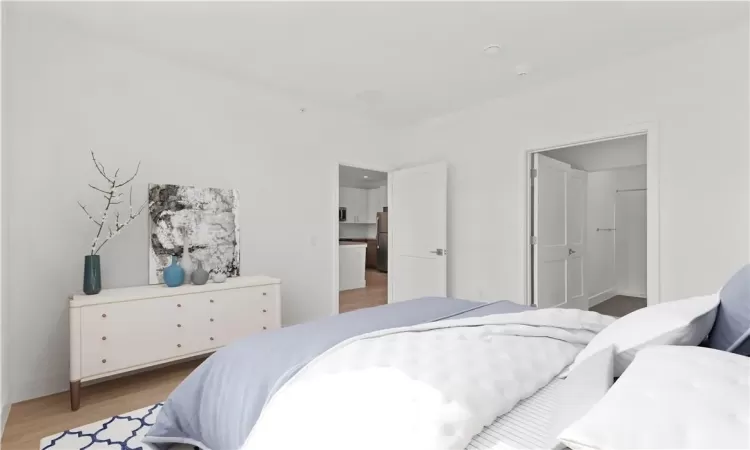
(559, 234)
(576, 198)
(418, 232)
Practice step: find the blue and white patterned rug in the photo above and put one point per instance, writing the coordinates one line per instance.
(121, 432)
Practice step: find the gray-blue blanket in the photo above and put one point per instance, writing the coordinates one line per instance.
(216, 406)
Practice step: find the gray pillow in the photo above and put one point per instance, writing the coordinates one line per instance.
(731, 330)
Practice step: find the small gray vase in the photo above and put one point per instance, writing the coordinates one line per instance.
(199, 275)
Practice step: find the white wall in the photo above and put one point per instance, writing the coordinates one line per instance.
(697, 94)
(631, 178)
(604, 155)
(68, 92)
(630, 210)
(600, 276)
(357, 231)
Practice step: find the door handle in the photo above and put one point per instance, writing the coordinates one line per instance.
(439, 252)
(571, 251)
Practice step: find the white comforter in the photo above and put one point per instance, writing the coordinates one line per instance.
(428, 387)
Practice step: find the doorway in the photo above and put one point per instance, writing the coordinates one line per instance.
(362, 238)
(404, 213)
(588, 225)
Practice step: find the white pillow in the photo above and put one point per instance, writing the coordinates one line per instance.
(583, 388)
(671, 397)
(680, 322)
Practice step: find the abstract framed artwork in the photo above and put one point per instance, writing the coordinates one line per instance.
(208, 218)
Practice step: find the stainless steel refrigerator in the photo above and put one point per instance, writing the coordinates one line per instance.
(382, 224)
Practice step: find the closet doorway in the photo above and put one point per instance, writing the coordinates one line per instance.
(588, 226)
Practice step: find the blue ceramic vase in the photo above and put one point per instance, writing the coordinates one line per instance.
(174, 275)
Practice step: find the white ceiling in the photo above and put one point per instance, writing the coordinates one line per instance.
(605, 155)
(355, 177)
(399, 62)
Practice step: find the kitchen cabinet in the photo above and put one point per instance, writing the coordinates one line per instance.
(377, 199)
(371, 257)
(360, 206)
(344, 199)
(373, 205)
(355, 202)
(352, 257)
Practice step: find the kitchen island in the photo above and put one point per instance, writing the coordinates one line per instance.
(352, 265)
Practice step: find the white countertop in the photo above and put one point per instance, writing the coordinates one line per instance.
(353, 244)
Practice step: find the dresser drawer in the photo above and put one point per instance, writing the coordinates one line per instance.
(121, 335)
(189, 323)
(237, 313)
(264, 306)
(268, 313)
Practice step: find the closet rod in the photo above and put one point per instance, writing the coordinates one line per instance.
(630, 190)
(605, 229)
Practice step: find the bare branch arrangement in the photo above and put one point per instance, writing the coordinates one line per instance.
(113, 196)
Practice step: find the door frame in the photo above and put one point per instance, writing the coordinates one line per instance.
(653, 248)
(335, 213)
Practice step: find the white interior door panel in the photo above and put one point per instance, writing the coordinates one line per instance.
(559, 227)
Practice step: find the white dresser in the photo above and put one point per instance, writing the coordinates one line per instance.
(120, 330)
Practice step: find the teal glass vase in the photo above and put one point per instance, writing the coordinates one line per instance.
(92, 275)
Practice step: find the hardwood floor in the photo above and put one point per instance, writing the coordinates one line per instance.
(374, 294)
(32, 420)
(619, 305)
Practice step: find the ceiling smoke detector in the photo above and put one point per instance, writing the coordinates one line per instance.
(492, 49)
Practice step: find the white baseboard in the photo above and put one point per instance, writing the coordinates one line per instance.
(601, 297)
(631, 294)
(4, 413)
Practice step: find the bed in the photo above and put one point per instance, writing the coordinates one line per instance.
(221, 391)
(524, 370)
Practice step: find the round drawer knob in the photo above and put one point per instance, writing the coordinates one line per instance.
(104, 361)
(265, 310)
(264, 293)
(179, 305)
(212, 300)
(104, 338)
(212, 339)
(211, 319)
(179, 345)
(104, 316)
(264, 328)
(179, 325)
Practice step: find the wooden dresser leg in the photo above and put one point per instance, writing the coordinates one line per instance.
(75, 395)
